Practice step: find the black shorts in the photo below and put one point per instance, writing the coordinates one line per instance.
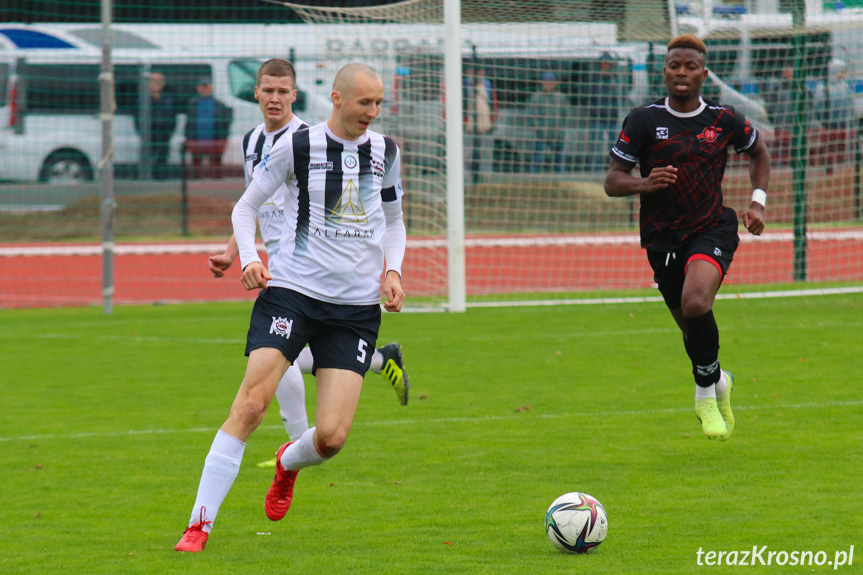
(715, 245)
(340, 336)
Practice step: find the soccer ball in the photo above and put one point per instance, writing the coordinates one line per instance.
(576, 523)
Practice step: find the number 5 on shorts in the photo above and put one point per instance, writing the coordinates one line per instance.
(362, 348)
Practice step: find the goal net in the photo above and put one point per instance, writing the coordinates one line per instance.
(545, 87)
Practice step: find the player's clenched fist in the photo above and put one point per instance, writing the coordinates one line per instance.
(659, 179)
(753, 218)
(255, 276)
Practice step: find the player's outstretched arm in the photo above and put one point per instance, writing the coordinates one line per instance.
(620, 183)
(759, 176)
(219, 263)
(393, 292)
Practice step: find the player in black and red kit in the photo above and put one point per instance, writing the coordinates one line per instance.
(680, 144)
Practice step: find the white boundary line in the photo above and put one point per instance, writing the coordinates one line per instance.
(653, 299)
(476, 242)
(443, 420)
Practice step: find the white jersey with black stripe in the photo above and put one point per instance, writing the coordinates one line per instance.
(331, 247)
(256, 145)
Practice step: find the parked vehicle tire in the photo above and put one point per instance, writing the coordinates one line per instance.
(66, 166)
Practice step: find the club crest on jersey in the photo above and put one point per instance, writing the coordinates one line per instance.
(709, 134)
(281, 326)
(661, 133)
(350, 163)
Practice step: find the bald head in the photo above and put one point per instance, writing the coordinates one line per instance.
(358, 94)
(346, 79)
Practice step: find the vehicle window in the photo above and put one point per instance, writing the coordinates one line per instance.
(419, 77)
(62, 88)
(4, 82)
(74, 89)
(514, 78)
(242, 75)
(126, 88)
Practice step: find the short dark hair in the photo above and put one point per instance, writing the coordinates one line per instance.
(278, 68)
(688, 41)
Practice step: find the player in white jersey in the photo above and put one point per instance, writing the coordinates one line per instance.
(343, 222)
(276, 91)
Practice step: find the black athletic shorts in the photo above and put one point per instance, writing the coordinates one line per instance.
(340, 336)
(715, 245)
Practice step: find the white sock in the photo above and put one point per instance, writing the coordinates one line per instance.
(705, 392)
(302, 454)
(305, 361)
(291, 395)
(220, 470)
(722, 384)
(377, 362)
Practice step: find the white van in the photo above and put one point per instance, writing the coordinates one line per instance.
(50, 127)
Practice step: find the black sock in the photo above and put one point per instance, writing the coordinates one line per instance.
(702, 346)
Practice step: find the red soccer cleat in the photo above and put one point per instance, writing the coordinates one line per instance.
(194, 538)
(281, 492)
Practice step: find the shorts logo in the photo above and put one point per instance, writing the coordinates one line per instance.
(717, 252)
(281, 326)
(661, 133)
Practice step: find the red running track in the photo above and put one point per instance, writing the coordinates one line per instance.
(45, 276)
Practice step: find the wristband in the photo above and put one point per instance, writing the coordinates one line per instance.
(759, 196)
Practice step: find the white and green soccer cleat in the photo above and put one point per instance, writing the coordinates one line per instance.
(723, 402)
(711, 420)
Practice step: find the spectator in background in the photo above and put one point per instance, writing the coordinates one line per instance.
(208, 122)
(480, 109)
(834, 107)
(163, 122)
(779, 101)
(605, 101)
(548, 110)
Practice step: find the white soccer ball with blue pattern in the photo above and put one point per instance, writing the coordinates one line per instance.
(576, 523)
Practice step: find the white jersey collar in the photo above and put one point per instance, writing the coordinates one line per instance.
(294, 121)
(358, 142)
(692, 114)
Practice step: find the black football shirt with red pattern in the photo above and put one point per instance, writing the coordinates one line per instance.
(695, 143)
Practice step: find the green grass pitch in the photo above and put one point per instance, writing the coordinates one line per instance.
(106, 421)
